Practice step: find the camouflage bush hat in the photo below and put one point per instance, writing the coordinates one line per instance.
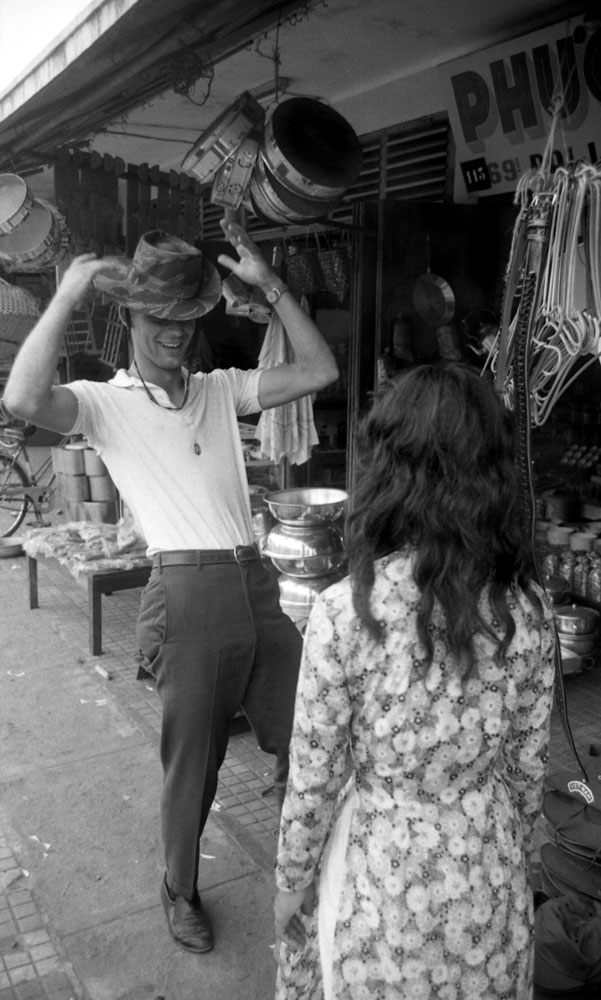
(166, 277)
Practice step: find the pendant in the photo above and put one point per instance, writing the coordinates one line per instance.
(197, 448)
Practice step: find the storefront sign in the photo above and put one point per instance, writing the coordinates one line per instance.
(501, 100)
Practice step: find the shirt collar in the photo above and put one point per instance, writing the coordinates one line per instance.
(126, 380)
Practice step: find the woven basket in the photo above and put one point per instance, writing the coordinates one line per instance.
(18, 314)
(303, 273)
(15, 301)
(336, 266)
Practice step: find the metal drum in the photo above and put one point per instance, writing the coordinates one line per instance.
(281, 205)
(223, 137)
(39, 242)
(311, 149)
(16, 201)
(232, 179)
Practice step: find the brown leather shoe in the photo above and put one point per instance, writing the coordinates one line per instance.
(187, 921)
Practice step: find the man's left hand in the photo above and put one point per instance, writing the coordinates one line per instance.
(252, 268)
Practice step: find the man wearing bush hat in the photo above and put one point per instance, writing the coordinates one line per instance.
(210, 625)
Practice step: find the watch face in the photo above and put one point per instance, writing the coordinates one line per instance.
(272, 295)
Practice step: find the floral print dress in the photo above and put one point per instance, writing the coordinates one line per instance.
(434, 901)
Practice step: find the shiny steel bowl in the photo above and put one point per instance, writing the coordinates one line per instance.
(299, 595)
(305, 550)
(312, 505)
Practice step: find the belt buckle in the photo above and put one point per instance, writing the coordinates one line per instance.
(245, 553)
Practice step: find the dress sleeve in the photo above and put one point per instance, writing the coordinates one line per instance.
(318, 749)
(525, 751)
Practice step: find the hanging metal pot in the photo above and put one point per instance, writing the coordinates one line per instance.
(232, 179)
(433, 297)
(223, 136)
(311, 149)
(39, 241)
(16, 201)
(282, 205)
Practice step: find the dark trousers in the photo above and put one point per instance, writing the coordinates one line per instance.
(216, 640)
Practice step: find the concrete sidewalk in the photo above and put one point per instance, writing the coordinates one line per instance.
(80, 854)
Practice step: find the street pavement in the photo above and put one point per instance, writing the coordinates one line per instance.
(80, 853)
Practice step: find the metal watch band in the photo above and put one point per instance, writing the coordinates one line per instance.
(274, 294)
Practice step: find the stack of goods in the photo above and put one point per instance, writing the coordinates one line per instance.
(293, 167)
(568, 923)
(88, 548)
(84, 484)
(571, 862)
(306, 545)
(569, 556)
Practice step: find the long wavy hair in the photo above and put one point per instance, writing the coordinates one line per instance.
(437, 478)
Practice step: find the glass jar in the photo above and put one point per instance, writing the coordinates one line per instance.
(566, 568)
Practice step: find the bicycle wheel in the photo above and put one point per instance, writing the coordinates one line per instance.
(13, 500)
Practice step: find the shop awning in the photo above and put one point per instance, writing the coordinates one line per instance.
(117, 55)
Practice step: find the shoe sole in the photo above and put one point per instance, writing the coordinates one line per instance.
(182, 944)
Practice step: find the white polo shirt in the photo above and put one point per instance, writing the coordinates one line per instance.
(180, 472)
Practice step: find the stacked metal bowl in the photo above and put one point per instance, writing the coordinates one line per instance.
(306, 545)
(577, 629)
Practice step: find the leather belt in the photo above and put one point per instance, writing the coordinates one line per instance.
(207, 557)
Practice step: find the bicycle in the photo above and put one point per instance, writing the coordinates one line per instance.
(22, 486)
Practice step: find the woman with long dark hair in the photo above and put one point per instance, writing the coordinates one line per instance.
(429, 672)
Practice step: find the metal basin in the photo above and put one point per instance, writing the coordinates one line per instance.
(305, 550)
(312, 505)
(575, 620)
(298, 595)
(577, 645)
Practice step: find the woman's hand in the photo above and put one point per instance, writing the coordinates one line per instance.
(252, 268)
(288, 906)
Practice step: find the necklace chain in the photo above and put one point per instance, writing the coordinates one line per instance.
(153, 398)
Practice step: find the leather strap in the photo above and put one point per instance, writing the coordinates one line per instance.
(207, 557)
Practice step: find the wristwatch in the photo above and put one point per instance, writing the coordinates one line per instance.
(274, 294)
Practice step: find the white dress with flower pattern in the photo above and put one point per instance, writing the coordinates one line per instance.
(435, 902)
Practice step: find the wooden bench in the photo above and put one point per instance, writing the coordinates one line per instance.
(98, 583)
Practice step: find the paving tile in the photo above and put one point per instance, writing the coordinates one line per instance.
(42, 951)
(22, 974)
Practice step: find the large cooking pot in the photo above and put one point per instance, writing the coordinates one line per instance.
(311, 149)
(576, 620)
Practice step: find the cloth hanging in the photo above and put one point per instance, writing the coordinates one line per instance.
(286, 431)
